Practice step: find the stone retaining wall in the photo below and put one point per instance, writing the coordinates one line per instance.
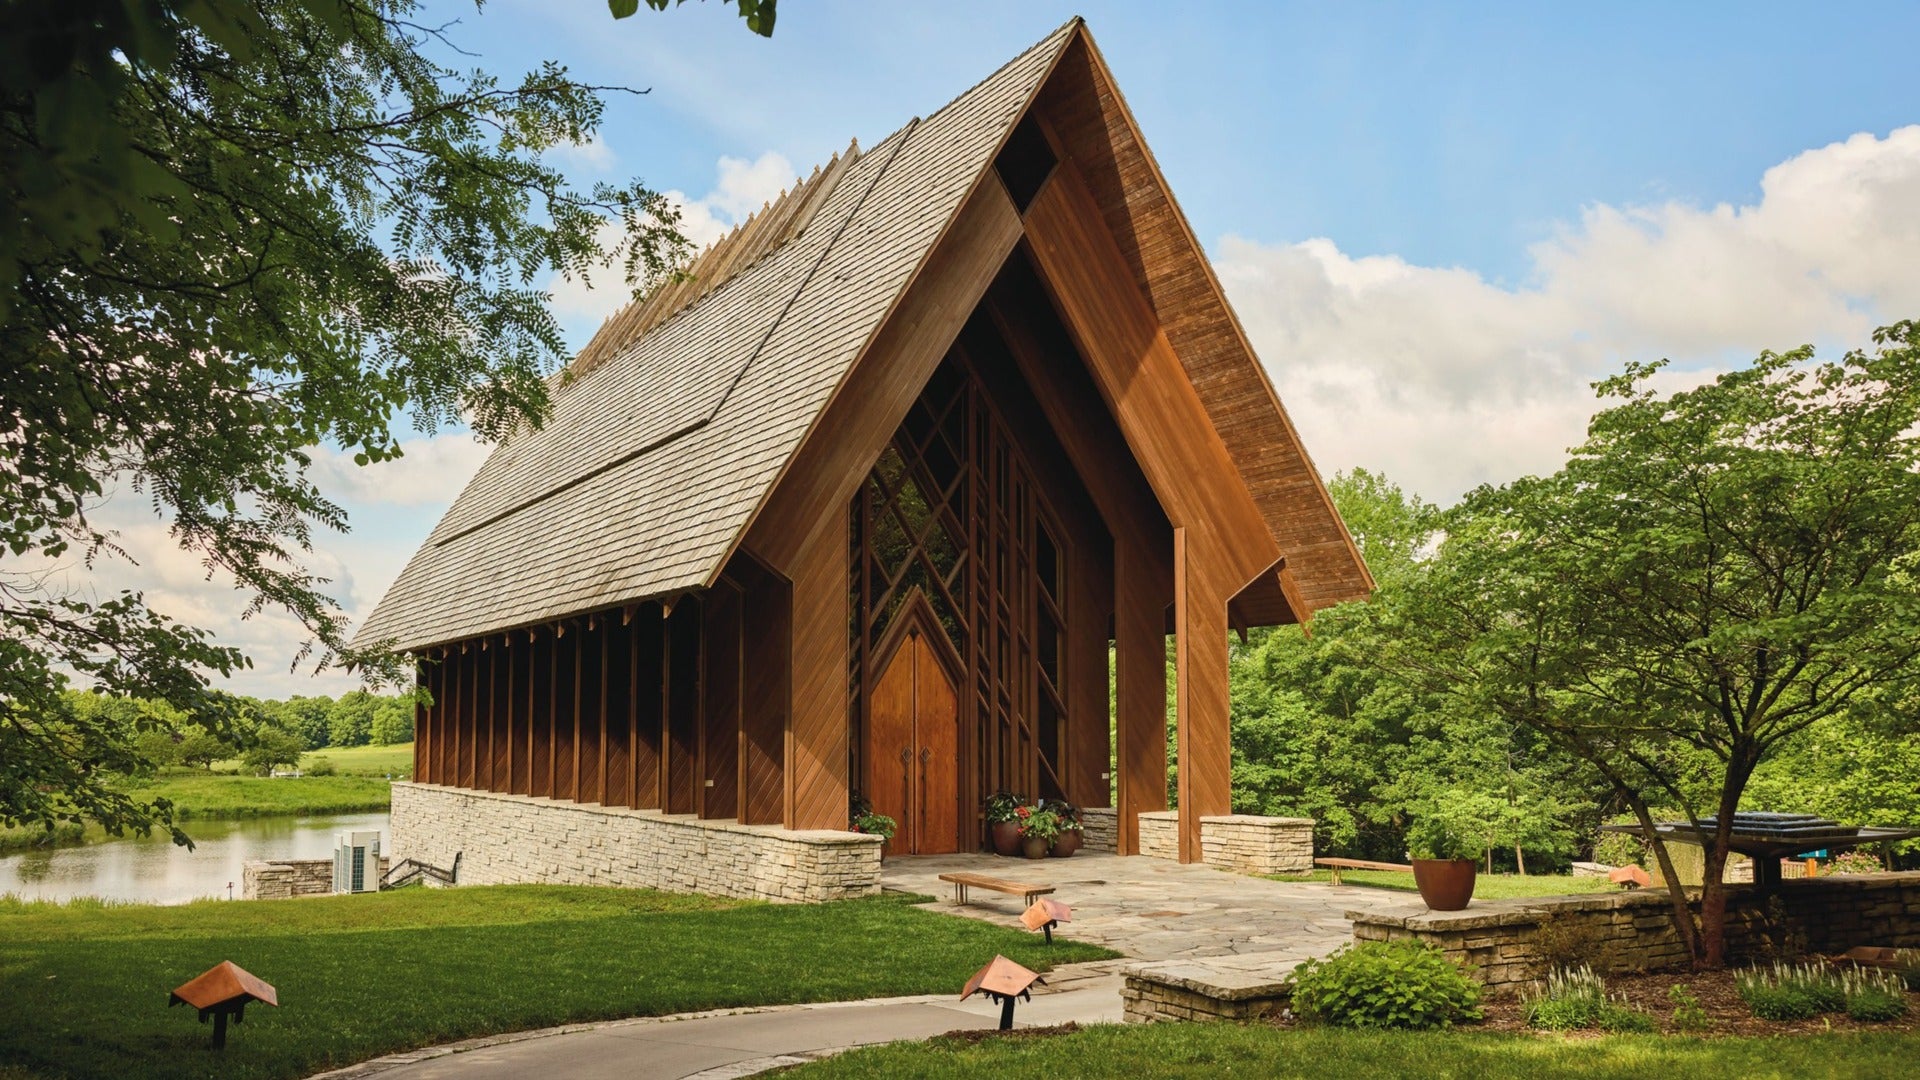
(1100, 828)
(1244, 842)
(1511, 943)
(285, 878)
(517, 838)
(1182, 990)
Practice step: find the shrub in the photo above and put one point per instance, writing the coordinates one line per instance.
(1386, 984)
(1853, 862)
(1874, 996)
(1688, 1016)
(1787, 992)
(1576, 998)
(321, 766)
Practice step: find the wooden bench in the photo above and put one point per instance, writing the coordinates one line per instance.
(963, 882)
(1334, 866)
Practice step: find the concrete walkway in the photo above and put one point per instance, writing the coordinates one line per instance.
(736, 1043)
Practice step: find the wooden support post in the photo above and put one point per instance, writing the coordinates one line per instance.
(1204, 728)
(680, 744)
(589, 752)
(720, 656)
(469, 712)
(422, 740)
(1140, 688)
(617, 680)
(540, 716)
(649, 704)
(767, 634)
(566, 674)
(816, 745)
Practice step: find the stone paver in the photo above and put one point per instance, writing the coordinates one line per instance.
(1153, 909)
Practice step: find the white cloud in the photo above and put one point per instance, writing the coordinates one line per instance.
(428, 473)
(1444, 380)
(392, 506)
(740, 188)
(593, 156)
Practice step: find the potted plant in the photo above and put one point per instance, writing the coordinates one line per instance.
(1443, 850)
(879, 825)
(1069, 840)
(1003, 822)
(1039, 828)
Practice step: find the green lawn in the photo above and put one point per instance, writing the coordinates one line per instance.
(382, 761)
(360, 976)
(1144, 1052)
(217, 795)
(1485, 886)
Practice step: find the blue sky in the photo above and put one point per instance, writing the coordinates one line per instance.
(1438, 223)
(1445, 134)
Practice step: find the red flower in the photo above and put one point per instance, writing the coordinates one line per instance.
(1025, 811)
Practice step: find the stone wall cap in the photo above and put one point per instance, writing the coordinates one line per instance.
(1216, 983)
(1252, 819)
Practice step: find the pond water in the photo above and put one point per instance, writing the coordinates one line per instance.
(151, 870)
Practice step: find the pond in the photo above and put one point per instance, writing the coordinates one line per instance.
(151, 870)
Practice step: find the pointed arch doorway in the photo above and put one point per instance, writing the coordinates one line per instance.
(913, 734)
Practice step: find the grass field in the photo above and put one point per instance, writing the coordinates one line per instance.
(1485, 886)
(360, 976)
(1151, 1051)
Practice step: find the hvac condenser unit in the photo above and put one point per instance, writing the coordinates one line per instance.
(356, 863)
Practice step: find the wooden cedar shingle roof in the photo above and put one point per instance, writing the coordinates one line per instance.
(655, 458)
(679, 416)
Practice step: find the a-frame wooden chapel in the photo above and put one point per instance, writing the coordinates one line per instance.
(867, 505)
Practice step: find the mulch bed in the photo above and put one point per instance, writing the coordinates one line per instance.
(1715, 990)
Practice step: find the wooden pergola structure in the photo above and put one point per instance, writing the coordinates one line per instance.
(865, 504)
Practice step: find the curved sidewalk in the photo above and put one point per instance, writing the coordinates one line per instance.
(733, 1043)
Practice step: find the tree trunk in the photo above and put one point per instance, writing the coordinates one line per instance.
(1520, 860)
(1713, 909)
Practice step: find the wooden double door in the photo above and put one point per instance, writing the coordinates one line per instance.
(913, 743)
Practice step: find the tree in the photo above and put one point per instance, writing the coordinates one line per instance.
(271, 748)
(200, 748)
(1711, 575)
(393, 721)
(305, 717)
(236, 230)
(350, 721)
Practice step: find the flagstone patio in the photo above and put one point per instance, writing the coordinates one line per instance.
(1157, 910)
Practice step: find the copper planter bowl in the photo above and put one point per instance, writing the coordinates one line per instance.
(1445, 884)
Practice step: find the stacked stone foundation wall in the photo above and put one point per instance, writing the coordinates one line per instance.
(511, 839)
(1244, 842)
(1514, 943)
(285, 878)
(1100, 828)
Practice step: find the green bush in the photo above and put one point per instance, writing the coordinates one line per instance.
(1874, 996)
(1576, 999)
(321, 766)
(1385, 984)
(1688, 1015)
(1788, 992)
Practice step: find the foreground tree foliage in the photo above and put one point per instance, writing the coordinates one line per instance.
(236, 230)
(1713, 575)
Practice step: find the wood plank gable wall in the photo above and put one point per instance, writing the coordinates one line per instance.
(1062, 294)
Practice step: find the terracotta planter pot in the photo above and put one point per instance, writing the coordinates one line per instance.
(1067, 843)
(1445, 884)
(1006, 837)
(1033, 847)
